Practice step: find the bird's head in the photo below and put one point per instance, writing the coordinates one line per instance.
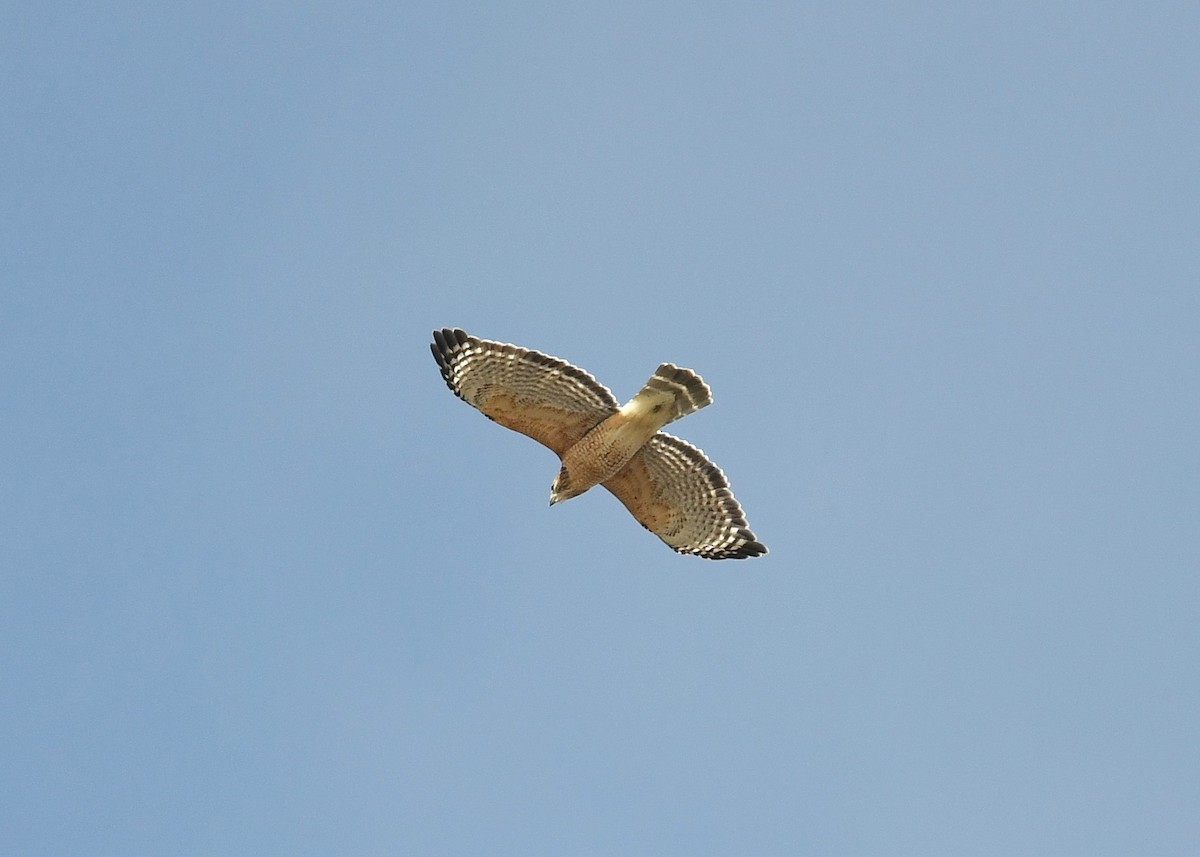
(562, 489)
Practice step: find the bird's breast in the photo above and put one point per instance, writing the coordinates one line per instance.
(606, 449)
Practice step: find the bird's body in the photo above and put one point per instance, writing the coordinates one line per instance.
(667, 484)
(605, 450)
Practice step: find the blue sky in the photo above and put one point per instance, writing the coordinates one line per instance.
(267, 587)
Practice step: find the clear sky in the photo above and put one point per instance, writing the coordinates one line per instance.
(268, 588)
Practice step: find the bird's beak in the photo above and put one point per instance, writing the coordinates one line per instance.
(553, 499)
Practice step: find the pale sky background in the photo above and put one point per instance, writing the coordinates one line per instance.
(268, 588)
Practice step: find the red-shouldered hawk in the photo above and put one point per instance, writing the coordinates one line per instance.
(669, 485)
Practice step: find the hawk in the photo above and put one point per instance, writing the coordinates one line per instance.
(669, 485)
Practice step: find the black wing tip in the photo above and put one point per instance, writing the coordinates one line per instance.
(448, 339)
(751, 548)
(447, 342)
(745, 550)
(438, 355)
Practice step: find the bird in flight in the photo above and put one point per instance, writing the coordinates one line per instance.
(669, 486)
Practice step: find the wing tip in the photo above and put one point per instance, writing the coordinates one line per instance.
(446, 345)
(751, 548)
(743, 550)
(448, 340)
(745, 547)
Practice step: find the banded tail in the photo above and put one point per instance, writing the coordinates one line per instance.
(672, 392)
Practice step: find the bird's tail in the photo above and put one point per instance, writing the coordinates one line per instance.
(675, 391)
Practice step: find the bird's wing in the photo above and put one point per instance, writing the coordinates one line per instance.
(541, 396)
(676, 493)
